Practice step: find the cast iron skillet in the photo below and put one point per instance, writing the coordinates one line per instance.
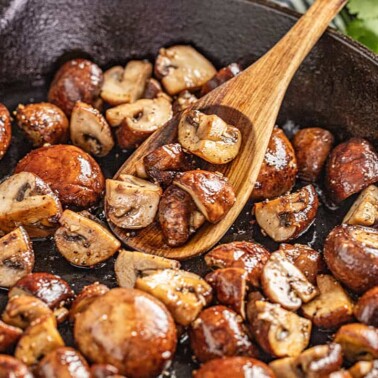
(336, 88)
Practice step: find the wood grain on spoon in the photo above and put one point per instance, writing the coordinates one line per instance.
(251, 101)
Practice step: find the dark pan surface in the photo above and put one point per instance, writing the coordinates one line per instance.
(336, 88)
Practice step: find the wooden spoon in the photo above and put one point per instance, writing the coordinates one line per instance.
(251, 101)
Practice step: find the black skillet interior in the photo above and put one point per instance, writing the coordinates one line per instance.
(336, 88)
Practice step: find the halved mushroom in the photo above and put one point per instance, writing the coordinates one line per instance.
(28, 201)
(358, 341)
(364, 369)
(83, 241)
(86, 297)
(332, 308)
(279, 332)
(230, 287)
(131, 202)
(11, 367)
(284, 283)
(138, 120)
(126, 85)
(366, 310)
(16, 257)
(38, 340)
(182, 67)
(5, 130)
(288, 217)
(246, 255)
(130, 265)
(50, 289)
(9, 336)
(209, 137)
(22, 311)
(183, 101)
(89, 130)
(364, 211)
(211, 192)
(184, 293)
(178, 215)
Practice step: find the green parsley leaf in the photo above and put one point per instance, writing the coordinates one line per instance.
(364, 9)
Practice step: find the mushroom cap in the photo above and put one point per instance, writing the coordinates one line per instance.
(5, 130)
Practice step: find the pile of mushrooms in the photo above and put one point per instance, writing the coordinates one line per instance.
(254, 311)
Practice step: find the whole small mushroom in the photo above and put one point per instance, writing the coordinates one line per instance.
(5, 130)
(366, 309)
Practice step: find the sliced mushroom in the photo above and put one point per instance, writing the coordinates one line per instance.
(139, 120)
(22, 311)
(230, 287)
(9, 336)
(90, 131)
(130, 265)
(284, 283)
(50, 289)
(28, 201)
(131, 202)
(306, 259)
(182, 67)
(246, 255)
(184, 293)
(83, 241)
(11, 367)
(223, 75)
(176, 213)
(16, 257)
(364, 369)
(366, 310)
(209, 137)
(38, 340)
(183, 101)
(288, 217)
(351, 253)
(126, 85)
(211, 192)
(332, 308)
(279, 332)
(163, 164)
(86, 297)
(219, 332)
(358, 341)
(5, 130)
(364, 211)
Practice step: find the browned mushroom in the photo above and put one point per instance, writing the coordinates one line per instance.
(364, 211)
(84, 241)
(104, 371)
(178, 216)
(76, 80)
(288, 217)
(183, 101)
(63, 362)
(16, 257)
(351, 253)
(211, 192)
(351, 167)
(138, 120)
(9, 336)
(50, 289)
(131, 202)
(90, 131)
(246, 255)
(209, 137)
(223, 75)
(5, 130)
(42, 123)
(279, 332)
(230, 287)
(312, 147)
(285, 284)
(218, 332)
(364, 369)
(358, 341)
(278, 170)
(366, 310)
(68, 170)
(153, 90)
(182, 67)
(126, 85)
(28, 201)
(184, 293)
(332, 308)
(11, 367)
(139, 350)
(284, 367)
(130, 265)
